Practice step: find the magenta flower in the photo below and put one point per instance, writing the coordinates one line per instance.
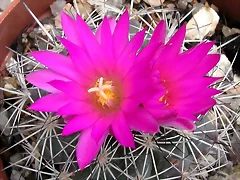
(183, 76)
(100, 86)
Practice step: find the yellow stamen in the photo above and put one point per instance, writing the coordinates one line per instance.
(164, 98)
(106, 93)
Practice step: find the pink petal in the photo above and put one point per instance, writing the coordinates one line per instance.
(196, 106)
(193, 58)
(129, 105)
(189, 95)
(100, 127)
(203, 47)
(89, 41)
(134, 45)
(106, 34)
(57, 62)
(149, 50)
(212, 92)
(122, 131)
(206, 108)
(207, 64)
(164, 52)
(70, 30)
(88, 148)
(72, 89)
(167, 116)
(46, 76)
(128, 55)
(153, 102)
(79, 122)
(159, 111)
(188, 86)
(156, 60)
(76, 107)
(182, 124)
(112, 22)
(134, 86)
(175, 43)
(187, 61)
(191, 100)
(107, 45)
(80, 59)
(159, 33)
(120, 35)
(91, 46)
(67, 118)
(51, 102)
(98, 33)
(139, 70)
(187, 116)
(202, 108)
(141, 121)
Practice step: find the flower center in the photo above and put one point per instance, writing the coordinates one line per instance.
(106, 94)
(163, 99)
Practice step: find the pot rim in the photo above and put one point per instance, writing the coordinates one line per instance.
(14, 19)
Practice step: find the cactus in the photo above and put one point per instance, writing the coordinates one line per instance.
(168, 154)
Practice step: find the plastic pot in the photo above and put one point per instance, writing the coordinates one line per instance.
(3, 175)
(231, 8)
(14, 19)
